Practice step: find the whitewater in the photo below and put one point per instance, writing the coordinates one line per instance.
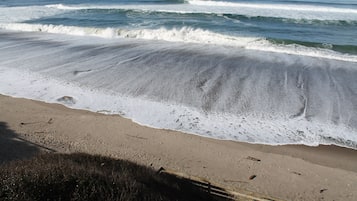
(269, 72)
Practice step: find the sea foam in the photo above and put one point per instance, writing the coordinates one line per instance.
(245, 128)
(219, 92)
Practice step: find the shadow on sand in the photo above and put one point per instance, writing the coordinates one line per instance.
(13, 147)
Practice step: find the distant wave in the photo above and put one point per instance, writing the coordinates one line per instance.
(227, 15)
(289, 7)
(21, 14)
(187, 35)
(244, 9)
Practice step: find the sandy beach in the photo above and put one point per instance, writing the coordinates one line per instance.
(293, 172)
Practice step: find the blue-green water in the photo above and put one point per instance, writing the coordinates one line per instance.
(272, 72)
(321, 23)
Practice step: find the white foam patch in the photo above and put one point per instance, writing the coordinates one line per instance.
(186, 35)
(274, 131)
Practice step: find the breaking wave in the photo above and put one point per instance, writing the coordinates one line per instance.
(189, 35)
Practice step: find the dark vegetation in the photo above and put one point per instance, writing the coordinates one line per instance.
(85, 177)
(12, 147)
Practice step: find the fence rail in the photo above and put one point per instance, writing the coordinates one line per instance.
(214, 191)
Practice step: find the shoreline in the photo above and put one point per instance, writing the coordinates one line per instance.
(290, 172)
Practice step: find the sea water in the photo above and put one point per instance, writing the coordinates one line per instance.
(270, 72)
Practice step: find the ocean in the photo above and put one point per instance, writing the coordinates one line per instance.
(259, 71)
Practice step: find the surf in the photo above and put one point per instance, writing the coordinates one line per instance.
(221, 92)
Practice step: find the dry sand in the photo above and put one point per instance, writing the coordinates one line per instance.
(286, 172)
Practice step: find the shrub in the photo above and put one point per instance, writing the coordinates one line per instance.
(86, 177)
